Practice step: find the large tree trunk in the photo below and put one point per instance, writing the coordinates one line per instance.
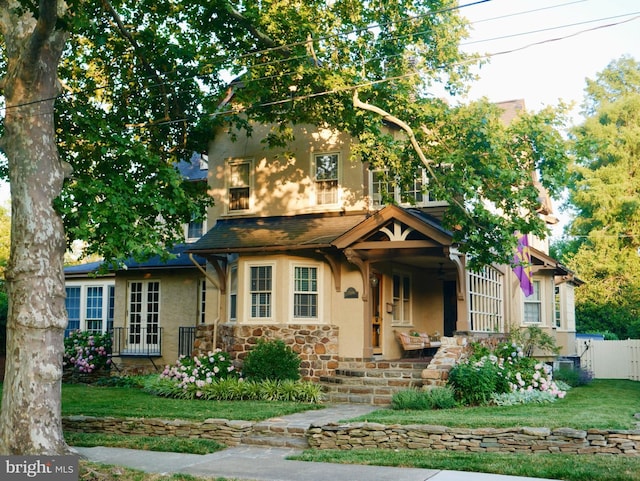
(30, 421)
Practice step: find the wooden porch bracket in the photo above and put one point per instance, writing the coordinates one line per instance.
(363, 267)
(220, 266)
(454, 256)
(336, 272)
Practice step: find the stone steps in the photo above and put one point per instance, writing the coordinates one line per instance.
(372, 382)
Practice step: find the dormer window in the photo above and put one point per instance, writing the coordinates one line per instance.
(326, 178)
(387, 188)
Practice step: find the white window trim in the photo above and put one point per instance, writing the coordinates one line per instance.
(319, 292)
(408, 319)
(486, 306)
(84, 291)
(228, 186)
(247, 298)
(144, 313)
(313, 171)
(189, 239)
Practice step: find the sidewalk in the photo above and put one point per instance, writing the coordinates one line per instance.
(261, 463)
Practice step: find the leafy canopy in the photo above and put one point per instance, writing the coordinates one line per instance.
(604, 192)
(145, 82)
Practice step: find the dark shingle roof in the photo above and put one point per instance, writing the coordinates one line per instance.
(191, 169)
(299, 231)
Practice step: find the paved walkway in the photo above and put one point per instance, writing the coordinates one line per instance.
(270, 464)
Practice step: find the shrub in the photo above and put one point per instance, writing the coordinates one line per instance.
(573, 377)
(236, 389)
(522, 397)
(200, 370)
(441, 397)
(474, 382)
(87, 352)
(410, 399)
(272, 360)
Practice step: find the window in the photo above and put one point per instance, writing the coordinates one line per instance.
(239, 185)
(233, 293)
(90, 307)
(195, 229)
(557, 307)
(305, 292)
(144, 314)
(260, 290)
(72, 303)
(203, 300)
(388, 188)
(94, 309)
(533, 306)
(486, 300)
(326, 178)
(401, 299)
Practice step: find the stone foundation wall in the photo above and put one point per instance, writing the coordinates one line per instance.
(525, 440)
(316, 344)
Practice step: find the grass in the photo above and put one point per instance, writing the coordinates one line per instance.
(603, 404)
(552, 466)
(88, 400)
(145, 443)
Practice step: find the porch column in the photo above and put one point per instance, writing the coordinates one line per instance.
(365, 270)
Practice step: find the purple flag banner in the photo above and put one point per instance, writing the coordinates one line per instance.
(522, 266)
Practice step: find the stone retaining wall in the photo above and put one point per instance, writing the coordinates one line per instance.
(526, 440)
(223, 431)
(373, 435)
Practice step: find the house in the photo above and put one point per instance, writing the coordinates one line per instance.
(152, 307)
(304, 246)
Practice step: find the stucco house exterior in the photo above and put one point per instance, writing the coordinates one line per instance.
(302, 246)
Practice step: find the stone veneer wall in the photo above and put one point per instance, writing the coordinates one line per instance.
(449, 354)
(316, 344)
(525, 439)
(373, 435)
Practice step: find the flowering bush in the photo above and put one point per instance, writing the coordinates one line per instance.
(199, 371)
(86, 352)
(506, 369)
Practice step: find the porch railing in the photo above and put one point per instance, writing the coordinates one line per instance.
(186, 340)
(137, 341)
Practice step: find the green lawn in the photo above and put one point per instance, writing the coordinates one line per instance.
(87, 400)
(603, 404)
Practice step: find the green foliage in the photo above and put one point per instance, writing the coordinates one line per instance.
(602, 242)
(474, 384)
(533, 339)
(234, 389)
(522, 397)
(271, 360)
(421, 399)
(573, 377)
(86, 352)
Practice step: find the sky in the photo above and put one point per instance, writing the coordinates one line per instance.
(542, 50)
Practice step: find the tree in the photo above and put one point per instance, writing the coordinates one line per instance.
(142, 85)
(605, 194)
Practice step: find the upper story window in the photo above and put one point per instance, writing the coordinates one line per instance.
(195, 229)
(533, 305)
(387, 188)
(239, 184)
(326, 178)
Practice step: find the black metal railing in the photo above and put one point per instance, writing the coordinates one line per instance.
(186, 340)
(137, 341)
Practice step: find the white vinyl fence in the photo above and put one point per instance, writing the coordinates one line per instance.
(610, 359)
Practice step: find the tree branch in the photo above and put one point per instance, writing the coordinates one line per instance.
(258, 34)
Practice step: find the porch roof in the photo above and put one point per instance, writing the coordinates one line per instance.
(305, 231)
(312, 231)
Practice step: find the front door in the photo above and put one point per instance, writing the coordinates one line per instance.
(376, 312)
